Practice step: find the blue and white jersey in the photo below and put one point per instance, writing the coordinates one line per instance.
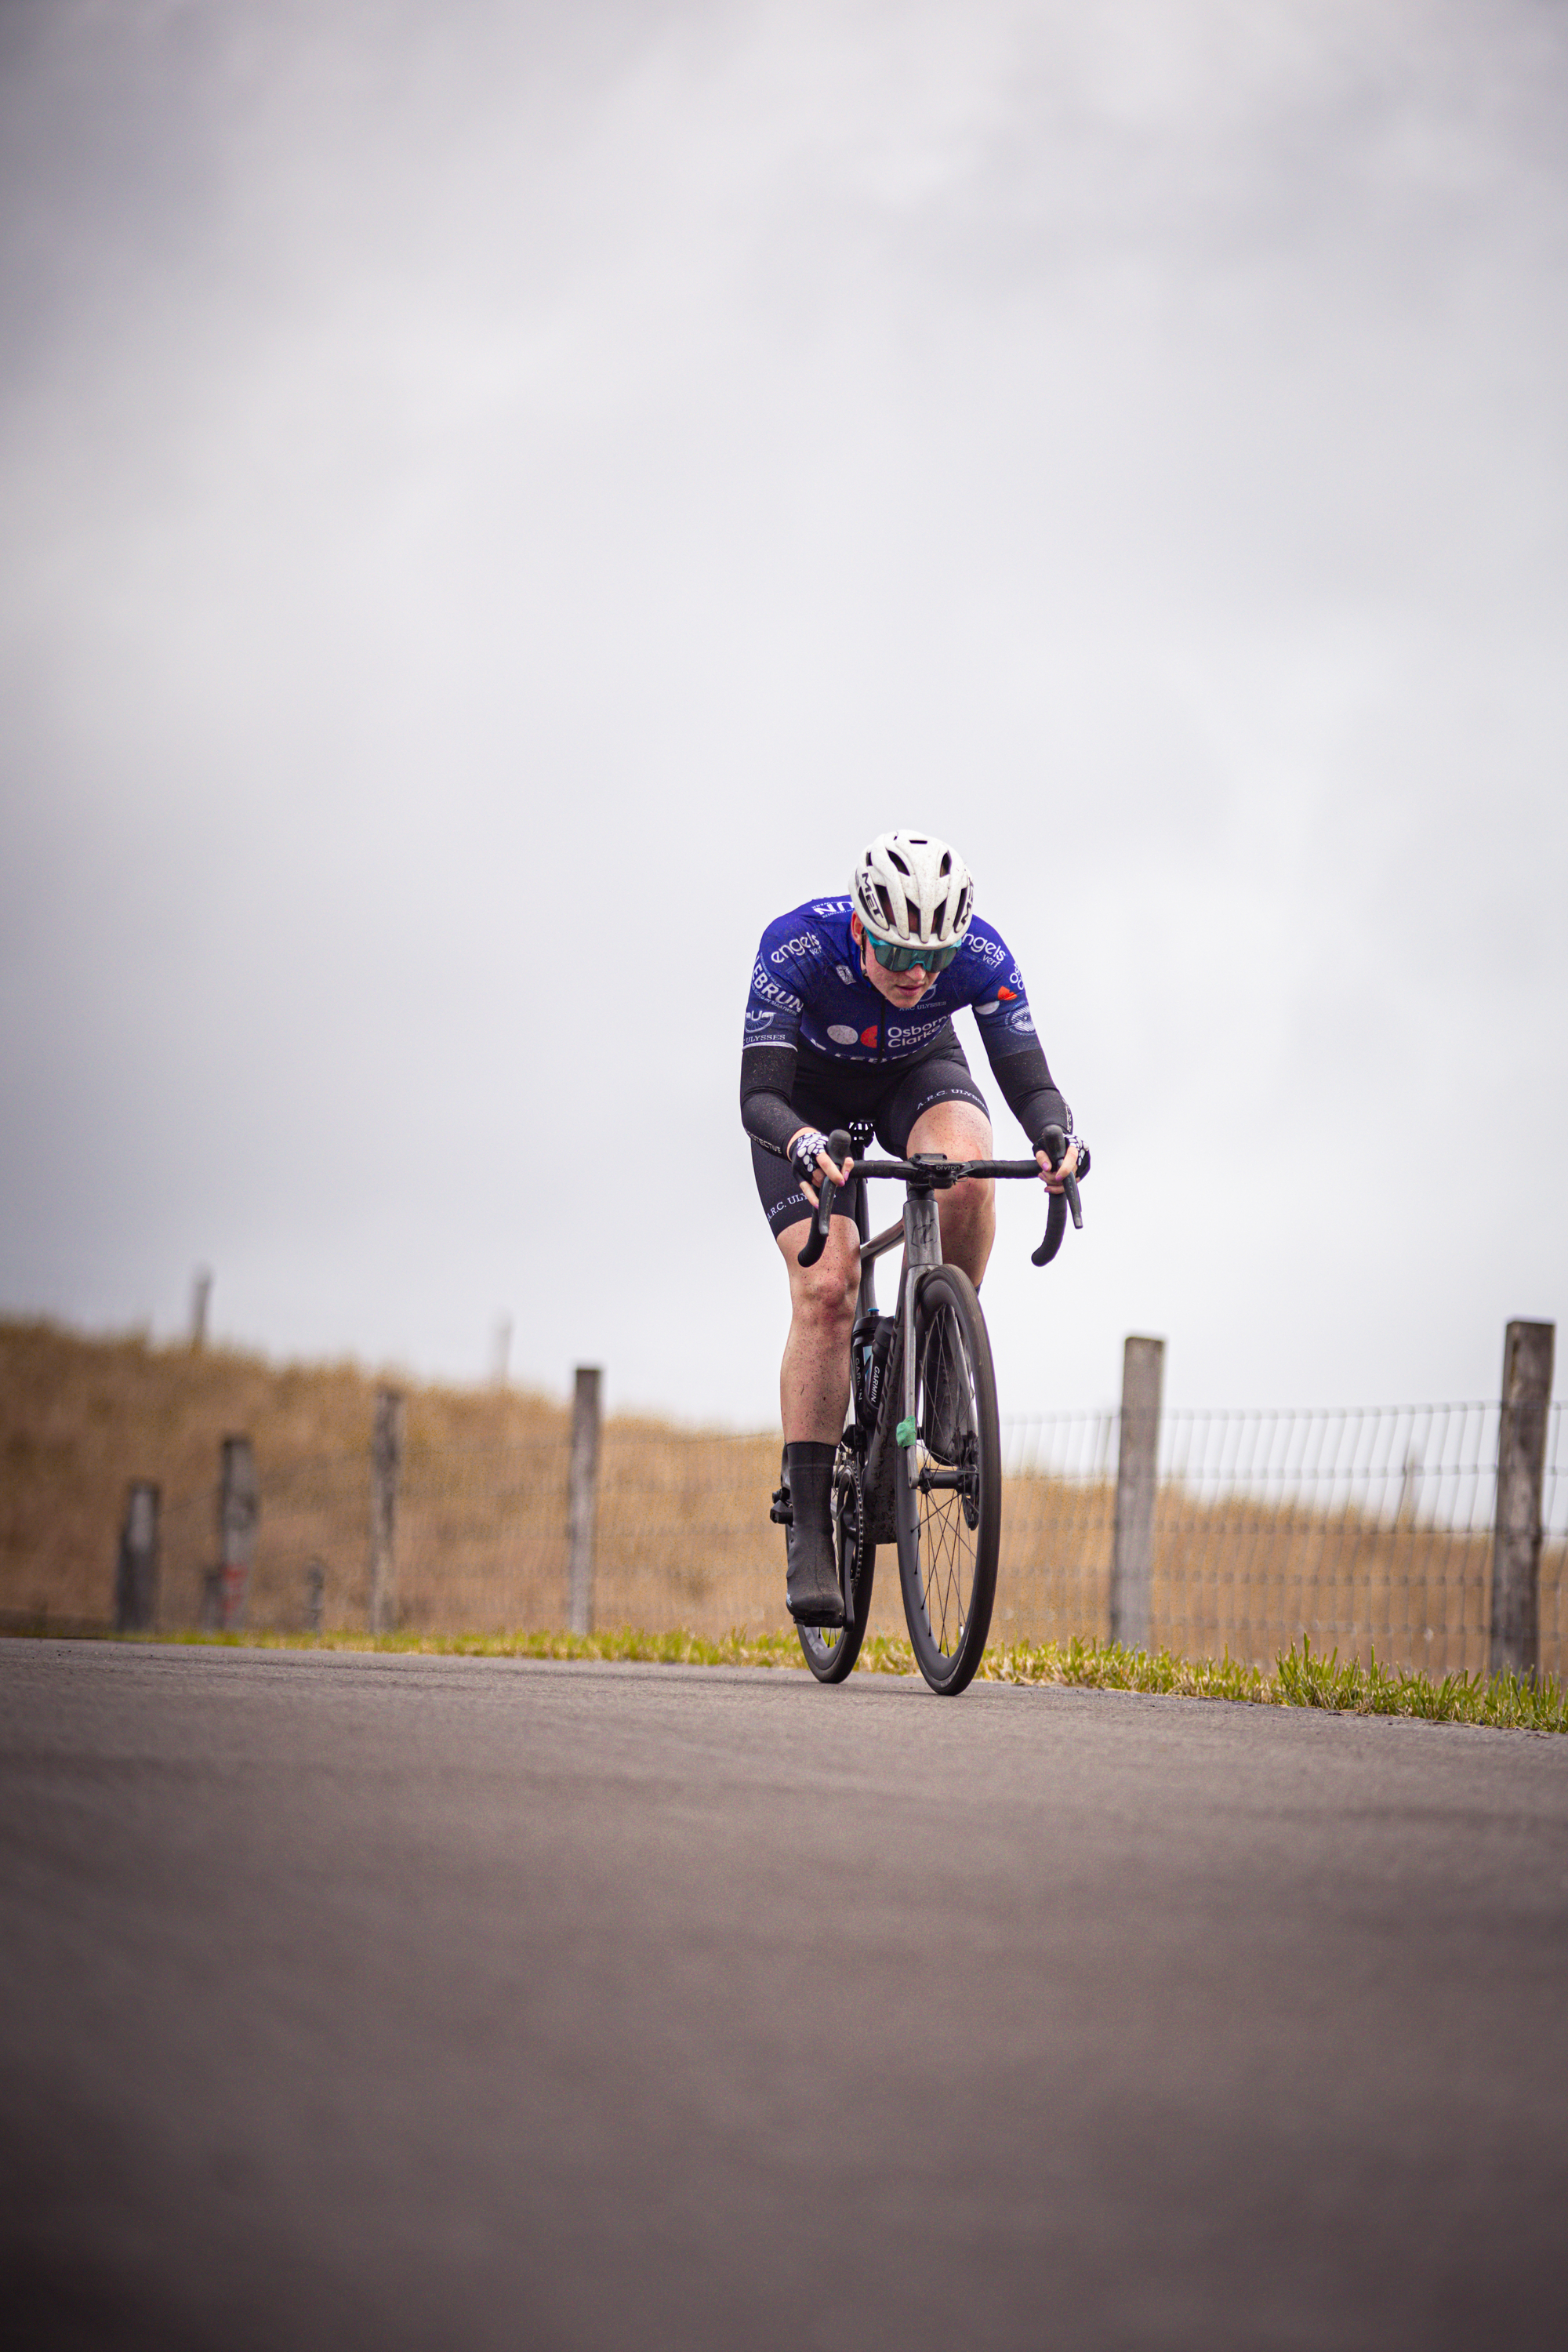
(808, 988)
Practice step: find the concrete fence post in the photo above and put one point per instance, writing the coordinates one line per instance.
(1132, 1559)
(1521, 1462)
(385, 1469)
(583, 1498)
(136, 1571)
(238, 1510)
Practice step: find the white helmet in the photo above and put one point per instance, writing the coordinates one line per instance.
(913, 888)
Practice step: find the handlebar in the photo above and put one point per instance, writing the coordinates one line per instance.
(932, 1172)
(1055, 1145)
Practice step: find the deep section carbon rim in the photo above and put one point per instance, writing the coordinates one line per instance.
(951, 1522)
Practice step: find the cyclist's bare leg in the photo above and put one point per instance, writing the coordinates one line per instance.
(814, 1380)
(968, 1212)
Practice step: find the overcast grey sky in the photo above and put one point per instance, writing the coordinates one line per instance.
(499, 500)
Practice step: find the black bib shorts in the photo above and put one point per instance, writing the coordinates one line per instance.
(888, 1099)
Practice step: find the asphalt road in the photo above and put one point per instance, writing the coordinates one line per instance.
(356, 2001)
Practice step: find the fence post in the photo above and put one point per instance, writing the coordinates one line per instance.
(583, 1498)
(386, 1465)
(1520, 1461)
(238, 1509)
(1132, 1564)
(136, 1572)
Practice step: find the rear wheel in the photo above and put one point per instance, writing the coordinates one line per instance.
(950, 1520)
(831, 1650)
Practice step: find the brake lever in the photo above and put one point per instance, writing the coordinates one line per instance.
(838, 1149)
(1055, 1145)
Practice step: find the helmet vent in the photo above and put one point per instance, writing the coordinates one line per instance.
(914, 887)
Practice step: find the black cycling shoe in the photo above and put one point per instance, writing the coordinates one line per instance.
(812, 1592)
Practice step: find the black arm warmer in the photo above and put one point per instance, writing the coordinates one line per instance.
(767, 1081)
(1032, 1095)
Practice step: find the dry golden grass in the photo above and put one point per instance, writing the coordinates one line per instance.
(684, 1540)
(1247, 1578)
(80, 1417)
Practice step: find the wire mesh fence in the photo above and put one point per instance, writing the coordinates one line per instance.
(1364, 1529)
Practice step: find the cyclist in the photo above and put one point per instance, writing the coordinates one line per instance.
(850, 1018)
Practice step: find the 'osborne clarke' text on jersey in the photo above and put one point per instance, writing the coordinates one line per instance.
(811, 1003)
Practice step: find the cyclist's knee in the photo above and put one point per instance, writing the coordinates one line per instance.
(973, 1202)
(825, 1293)
(959, 1129)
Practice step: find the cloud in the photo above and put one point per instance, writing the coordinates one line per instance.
(502, 499)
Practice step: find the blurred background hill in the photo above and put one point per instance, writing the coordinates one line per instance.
(81, 1417)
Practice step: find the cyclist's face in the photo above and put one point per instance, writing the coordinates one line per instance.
(903, 988)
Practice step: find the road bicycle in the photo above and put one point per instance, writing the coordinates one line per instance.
(920, 1462)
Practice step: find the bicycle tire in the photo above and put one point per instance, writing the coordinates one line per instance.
(949, 1537)
(831, 1650)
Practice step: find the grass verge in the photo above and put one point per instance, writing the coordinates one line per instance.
(1302, 1677)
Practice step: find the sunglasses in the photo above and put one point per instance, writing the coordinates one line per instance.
(892, 958)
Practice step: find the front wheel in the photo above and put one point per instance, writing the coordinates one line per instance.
(831, 1650)
(950, 1519)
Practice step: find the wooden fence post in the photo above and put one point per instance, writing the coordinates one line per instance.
(1132, 1559)
(136, 1572)
(584, 1497)
(386, 1466)
(238, 1509)
(1521, 1461)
